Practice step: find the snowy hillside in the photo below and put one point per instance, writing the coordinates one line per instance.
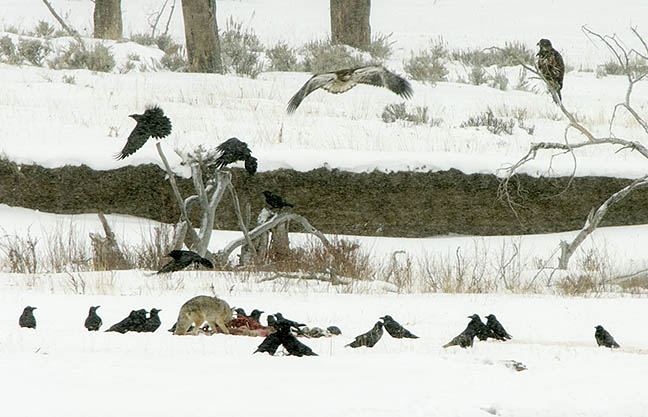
(76, 117)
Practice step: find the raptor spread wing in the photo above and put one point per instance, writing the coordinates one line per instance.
(381, 77)
(315, 82)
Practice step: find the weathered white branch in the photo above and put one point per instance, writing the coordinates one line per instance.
(593, 220)
(222, 255)
(330, 277)
(237, 209)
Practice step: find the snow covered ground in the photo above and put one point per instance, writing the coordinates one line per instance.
(59, 369)
(47, 120)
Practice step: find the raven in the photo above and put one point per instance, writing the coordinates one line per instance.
(233, 150)
(93, 321)
(370, 338)
(464, 339)
(256, 314)
(276, 201)
(603, 338)
(496, 328)
(132, 323)
(395, 329)
(27, 318)
(479, 328)
(182, 259)
(343, 80)
(152, 322)
(153, 123)
(551, 66)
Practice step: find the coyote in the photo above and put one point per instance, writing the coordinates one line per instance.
(200, 309)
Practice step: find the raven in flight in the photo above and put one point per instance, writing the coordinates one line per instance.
(153, 123)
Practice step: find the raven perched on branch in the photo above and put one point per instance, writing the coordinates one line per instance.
(233, 150)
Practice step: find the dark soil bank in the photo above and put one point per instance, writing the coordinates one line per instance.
(380, 204)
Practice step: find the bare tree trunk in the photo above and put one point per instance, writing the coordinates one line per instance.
(201, 33)
(107, 19)
(279, 242)
(350, 22)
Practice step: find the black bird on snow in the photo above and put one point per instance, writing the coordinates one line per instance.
(334, 330)
(182, 259)
(27, 318)
(93, 321)
(343, 80)
(395, 329)
(276, 201)
(240, 311)
(603, 338)
(133, 322)
(233, 150)
(479, 328)
(152, 123)
(284, 337)
(370, 338)
(551, 65)
(464, 339)
(496, 327)
(152, 322)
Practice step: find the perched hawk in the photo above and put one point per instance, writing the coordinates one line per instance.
(153, 123)
(551, 66)
(233, 150)
(344, 80)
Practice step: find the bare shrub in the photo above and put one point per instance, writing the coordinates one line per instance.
(494, 124)
(592, 274)
(502, 57)
(399, 271)
(426, 66)
(8, 52)
(77, 56)
(33, 51)
(322, 56)
(241, 50)
(19, 253)
(44, 29)
(498, 80)
(343, 257)
(151, 253)
(636, 66)
(394, 112)
(457, 273)
(64, 251)
(283, 57)
(175, 61)
(380, 47)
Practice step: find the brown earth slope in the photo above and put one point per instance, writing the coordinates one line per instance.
(381, 204)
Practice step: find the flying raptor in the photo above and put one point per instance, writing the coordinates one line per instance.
(343, 80)
(153, 123)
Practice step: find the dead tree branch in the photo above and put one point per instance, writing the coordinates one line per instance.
(593, 220)
(222, 255)
(64, 25)
(331, 277)
(624, 56)
(237, 209)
